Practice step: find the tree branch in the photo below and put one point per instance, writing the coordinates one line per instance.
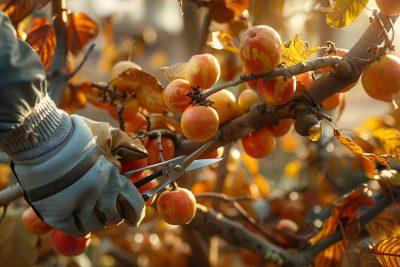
(58, 80)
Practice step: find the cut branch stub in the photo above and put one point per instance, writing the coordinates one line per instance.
(304, 122)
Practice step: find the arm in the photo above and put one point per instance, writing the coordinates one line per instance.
(67, 165)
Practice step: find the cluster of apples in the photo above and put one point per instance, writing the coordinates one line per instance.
(198, 122)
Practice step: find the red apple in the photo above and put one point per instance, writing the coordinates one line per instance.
(33, 224)
(276, 91)
(177, 206)
(68, 245)
(260, 49)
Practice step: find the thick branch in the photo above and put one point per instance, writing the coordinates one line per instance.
(359, 56)
(58, 72)
(210, 223)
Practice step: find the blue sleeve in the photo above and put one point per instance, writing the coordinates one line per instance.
(22, 78)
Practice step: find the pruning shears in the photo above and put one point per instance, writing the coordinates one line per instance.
(173, 169)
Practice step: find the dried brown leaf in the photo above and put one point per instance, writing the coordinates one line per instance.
(81, 29)
(388, 251)
(148, 90)
(176, 71)
(159, 121)
(383, 226)
(42, 37)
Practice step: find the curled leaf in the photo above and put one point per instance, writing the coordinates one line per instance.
(80, 30)
(345, 12)
(159, 121)
(296, 51)
(42, 37)
(148, 90)
(222, 41)
(352, 146)
(176, 71)
(390, 139)
(388, 251)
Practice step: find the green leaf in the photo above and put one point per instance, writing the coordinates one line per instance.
(296, 51)
(345, 12)
(17, 245)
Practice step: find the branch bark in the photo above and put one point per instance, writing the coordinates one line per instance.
(58, 74)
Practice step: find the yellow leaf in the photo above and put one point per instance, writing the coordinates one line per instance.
(262, 184)
(390, 139)
(296, 51)
(251, 164)
(345, 12)
(388, 251)
(222, 41)
(176, 71)
(292, 169)
(349, 143)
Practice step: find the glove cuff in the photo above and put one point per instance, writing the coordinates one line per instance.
(44, 129)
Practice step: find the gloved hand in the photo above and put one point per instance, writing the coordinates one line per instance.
(68, 168)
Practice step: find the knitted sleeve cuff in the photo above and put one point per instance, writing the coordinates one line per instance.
(45, 128)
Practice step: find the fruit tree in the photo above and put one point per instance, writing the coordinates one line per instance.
(294, 188)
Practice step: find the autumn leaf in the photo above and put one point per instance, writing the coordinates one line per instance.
(332, 255)
(390, 178)
(159, 121)
(388, 251)
(17, 10)
(222, 41)
(352, 146)
(148, 90)
(81, 29)
(42, 37)
(390, 140)
(384, 225)
(219, 11)
(367, 258)
(296, 51)
(345, 12)
(176, 71)
(349, 203)
(237, 6)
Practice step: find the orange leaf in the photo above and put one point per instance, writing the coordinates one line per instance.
(349, 203)
(222, 41)
(41, 36)
(238, 6)
(17, 10)
(349, 143)
(147, 88)
(158, 121)
(80, 30)
(388, 251)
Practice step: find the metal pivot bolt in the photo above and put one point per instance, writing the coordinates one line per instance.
(178, 167)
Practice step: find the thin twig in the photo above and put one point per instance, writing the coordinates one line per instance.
(85, 58)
